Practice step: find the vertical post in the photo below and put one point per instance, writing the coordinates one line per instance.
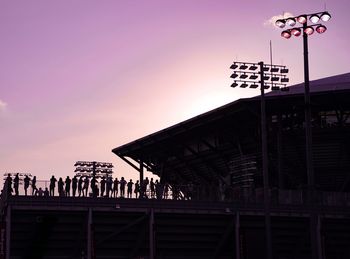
(141, 171)
(237, 238)
(308, 130)
(8, 232)
(279, 152)
(151, 234)
(265, 165)
(315, 235)
(89, 235)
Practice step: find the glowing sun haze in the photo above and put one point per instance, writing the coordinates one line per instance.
(78, 78)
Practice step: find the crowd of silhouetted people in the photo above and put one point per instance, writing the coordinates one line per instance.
(85, 186)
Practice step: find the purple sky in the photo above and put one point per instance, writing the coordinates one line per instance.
(78, 78)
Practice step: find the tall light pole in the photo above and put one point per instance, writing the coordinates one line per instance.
(274, 76)
(306, 30)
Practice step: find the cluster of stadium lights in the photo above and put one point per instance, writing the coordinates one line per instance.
(302, 19)
(247, 74)
(98, 167)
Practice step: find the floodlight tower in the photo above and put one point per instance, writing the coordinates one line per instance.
(266, 76)
(306, 30)
(93, 169)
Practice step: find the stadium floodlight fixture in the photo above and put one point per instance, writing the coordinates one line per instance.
(275, 78)
(234, 66)
(296, 32)
(286, 34)
(302, 18)
(314, 18)
(325, 16)
(234, 75)
(291, 21)
(234, 84)
(254, 86)
(321, 29)
(284, 70)
(253, 76)
(243, 85)
(280, 23)
(266, 78)
(253, 67)
(243, 67)
(284, 80)
(266, 69)
(309, 30)
(243, 76)
(275, 88)
(274, 69)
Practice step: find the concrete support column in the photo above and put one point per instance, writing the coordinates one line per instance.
(8, 232)
(237, 237)
(89, 235)
(151, 234)
(316, 240)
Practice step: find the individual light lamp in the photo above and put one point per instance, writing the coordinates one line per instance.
(291, 21)
(309, 30)
(254, 86)
(321, 28)
(274, 69)
(243, 76)
(275, 88)
(302, 19)
(286, 34)
(234, 75)
(244, 85)
(325, 16)
(253, 77)
(284, 70)
(275, 78)
(280, 23)
(284, 80)
(253, 67)
(314, 18)
(234, 66)
(296, 32)
(243, 67)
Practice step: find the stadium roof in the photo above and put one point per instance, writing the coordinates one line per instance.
(325, 92)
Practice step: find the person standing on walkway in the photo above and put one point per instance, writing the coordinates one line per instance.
(122, 187)
(16, 184)
(26, 184)
(53, 181)
(103, 186)
(80, 185)
(74, 185)
(60, 187)
(86, 186)
(115, 187)
(68, 181)
(34, 189)
(130, 184)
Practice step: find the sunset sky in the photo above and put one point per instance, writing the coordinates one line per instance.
(79, 78)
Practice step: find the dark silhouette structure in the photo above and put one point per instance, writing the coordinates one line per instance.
(211, 164)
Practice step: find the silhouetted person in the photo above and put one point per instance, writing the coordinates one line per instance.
(137, 189)
(86, 186)
(46, 192)
(93, 187)
(122, 187)
(53, 181)
(34, 189)
(68, 182)
(39, 192)
(60, 187)
(159, 190)
(74, 185)
(146, 182)
(115, 187)
(109, 183)
(16, 184)
(143, 189)
(9, 184)
(103, 186)
(130, 184)
(80, 185)
(152, 188)
(26, 181)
